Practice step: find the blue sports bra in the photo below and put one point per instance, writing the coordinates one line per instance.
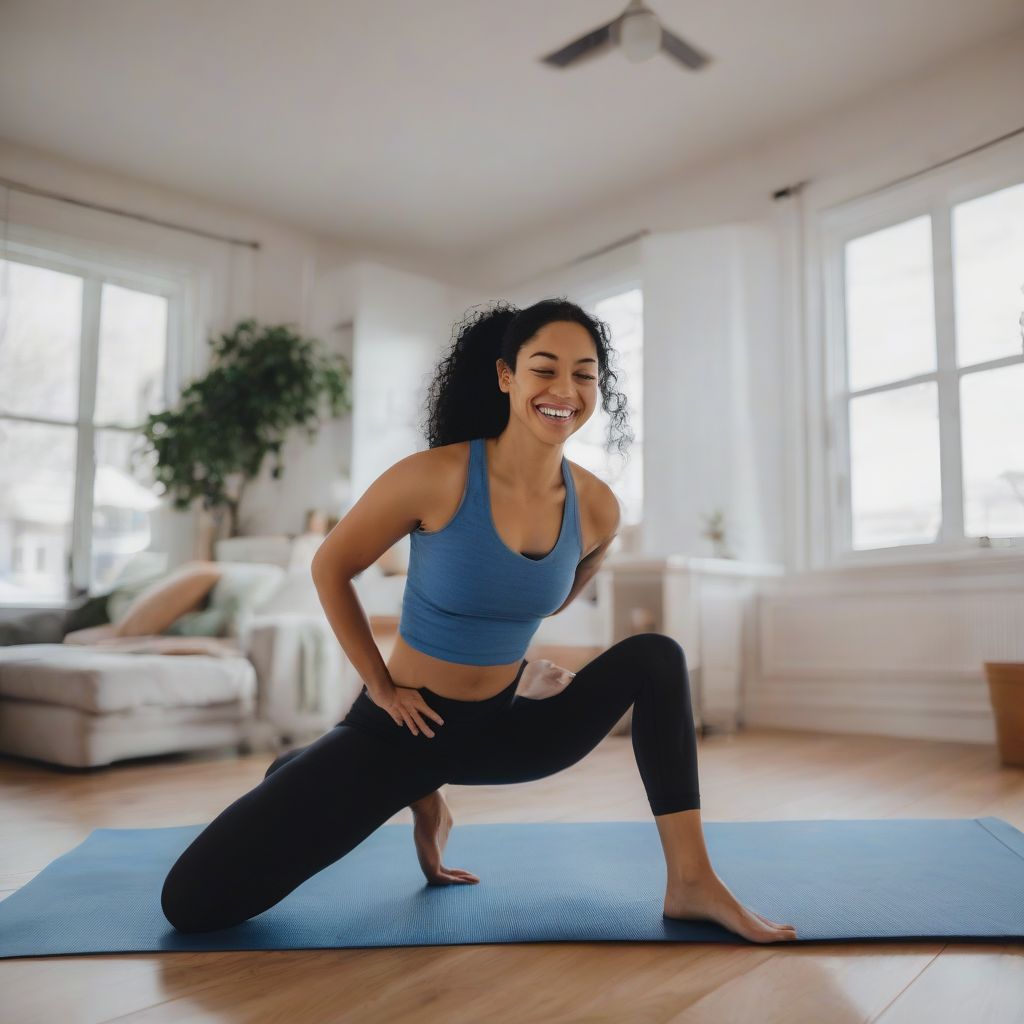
(471, 599)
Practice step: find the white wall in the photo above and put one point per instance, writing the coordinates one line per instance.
(712, 391)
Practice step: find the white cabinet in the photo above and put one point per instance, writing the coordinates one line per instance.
(707, 605)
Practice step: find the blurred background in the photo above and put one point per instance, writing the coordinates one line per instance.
(803, 223)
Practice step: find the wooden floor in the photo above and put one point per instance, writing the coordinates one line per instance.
(757, 775)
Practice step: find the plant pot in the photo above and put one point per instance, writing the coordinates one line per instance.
(1006, 691)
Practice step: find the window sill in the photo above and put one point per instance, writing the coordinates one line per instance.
(998, 558)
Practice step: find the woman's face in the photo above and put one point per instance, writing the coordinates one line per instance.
(557, 368)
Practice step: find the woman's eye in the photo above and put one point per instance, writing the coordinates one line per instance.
(584, 376)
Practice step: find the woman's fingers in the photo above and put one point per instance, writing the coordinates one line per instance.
(421, 713)
(420, 722)
(454, 876)
(415, 716)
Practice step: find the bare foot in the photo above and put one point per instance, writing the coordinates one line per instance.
(710, 899)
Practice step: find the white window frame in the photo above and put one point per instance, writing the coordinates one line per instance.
(95, 272)
(935, 193)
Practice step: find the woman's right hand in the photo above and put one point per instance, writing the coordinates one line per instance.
(407, 707)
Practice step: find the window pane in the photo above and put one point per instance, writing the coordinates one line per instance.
(890, 313)
(895, 489)
(992, 425)
(133, 345)
(988, 267)
(37, 479)
(39, 357)
(623, 314)
(123, 499)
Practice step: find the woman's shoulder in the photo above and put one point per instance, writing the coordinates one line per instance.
(599, 507)
(430, 460)
(439, 477)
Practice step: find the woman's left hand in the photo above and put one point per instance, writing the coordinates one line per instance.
(543, 678)
(432, 821)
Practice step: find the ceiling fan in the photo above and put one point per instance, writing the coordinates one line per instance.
(640, 35)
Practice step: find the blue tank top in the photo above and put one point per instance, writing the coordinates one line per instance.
(471, 599)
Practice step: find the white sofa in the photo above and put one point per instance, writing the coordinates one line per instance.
(277, 677)
(83, 707)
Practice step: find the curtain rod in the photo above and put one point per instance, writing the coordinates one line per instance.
(782, 193)
(608, 248)
(17, 186)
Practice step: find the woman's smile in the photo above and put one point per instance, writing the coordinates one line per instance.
(556, 420)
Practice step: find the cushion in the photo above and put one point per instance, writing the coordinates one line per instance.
(206, 622)
(101, 681)
(87, 611)
(45, 626)
(243, 589)
(166, 599)
(296, 594)
(141, 569)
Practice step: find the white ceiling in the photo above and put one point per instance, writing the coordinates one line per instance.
(431, 128)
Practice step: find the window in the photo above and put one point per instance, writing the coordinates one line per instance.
(925, 356)
(83, 360)
(623, 313)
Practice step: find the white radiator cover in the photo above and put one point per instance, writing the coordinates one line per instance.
(888, 650)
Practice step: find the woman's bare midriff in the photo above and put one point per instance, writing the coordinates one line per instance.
(410, 667)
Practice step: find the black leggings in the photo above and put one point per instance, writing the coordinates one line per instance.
(317, 803)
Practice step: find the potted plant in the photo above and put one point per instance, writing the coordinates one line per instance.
(264, 381)
(715, 532)
(1006, 691)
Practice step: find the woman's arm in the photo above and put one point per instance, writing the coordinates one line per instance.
(606, 515)
(388, 510)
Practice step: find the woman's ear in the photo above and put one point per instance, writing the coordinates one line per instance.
(504, 374)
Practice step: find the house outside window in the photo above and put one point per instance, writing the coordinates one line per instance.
(84, 357)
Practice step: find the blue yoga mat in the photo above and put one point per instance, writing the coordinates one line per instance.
(549, 882)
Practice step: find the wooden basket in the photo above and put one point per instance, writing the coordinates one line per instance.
(1006, 691)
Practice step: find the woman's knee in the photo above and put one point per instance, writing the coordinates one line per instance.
(656, 648)
(661, 656)
(182, 908)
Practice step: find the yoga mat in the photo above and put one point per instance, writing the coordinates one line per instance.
(549, 882)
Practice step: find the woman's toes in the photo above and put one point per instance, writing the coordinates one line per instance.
(774, 924)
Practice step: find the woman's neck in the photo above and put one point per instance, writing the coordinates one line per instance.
(520, 461)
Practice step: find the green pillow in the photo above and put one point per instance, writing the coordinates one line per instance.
(204, 622)
(242, 590)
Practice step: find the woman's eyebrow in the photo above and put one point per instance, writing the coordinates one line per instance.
(551, 355)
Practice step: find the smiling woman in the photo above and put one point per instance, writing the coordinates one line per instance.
(448, 707)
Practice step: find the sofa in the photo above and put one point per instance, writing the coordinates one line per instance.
(272, 674)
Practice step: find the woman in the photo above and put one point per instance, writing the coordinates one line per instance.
(504, 531)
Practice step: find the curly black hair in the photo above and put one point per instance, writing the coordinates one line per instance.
(464, 400)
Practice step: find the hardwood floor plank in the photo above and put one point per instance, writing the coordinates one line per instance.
(983, 982)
